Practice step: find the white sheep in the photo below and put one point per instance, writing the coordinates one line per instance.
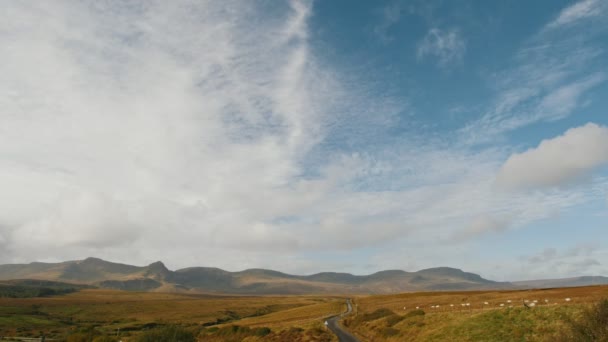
(568, 299)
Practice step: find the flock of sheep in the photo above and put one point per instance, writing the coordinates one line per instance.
(527, 303)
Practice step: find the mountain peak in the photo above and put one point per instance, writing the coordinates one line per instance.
(442, 269)
(157, 270)
(92, 261)
(158, 266)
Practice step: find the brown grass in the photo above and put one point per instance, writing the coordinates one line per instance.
(109, 310)
(511, 322)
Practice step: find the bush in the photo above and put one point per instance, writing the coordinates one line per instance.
(394, 319)
(592, 325)
(261, 332)
(167, 334)
(414, 313)
(388, 332)
(105, 339)
(380, 313)
(82, 336)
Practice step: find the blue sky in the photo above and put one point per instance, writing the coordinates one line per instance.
(307, 136)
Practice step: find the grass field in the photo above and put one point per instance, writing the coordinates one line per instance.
(443, 317)
(130, 313)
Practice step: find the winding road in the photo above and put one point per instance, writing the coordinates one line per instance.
(334, 325)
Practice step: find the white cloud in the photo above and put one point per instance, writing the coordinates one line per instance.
(563, 100)
(483, 225)
(580, 10)
(550, 75)
(192, 117)
(447, 46)
(578, 260)
(557, 161)
(210, 133)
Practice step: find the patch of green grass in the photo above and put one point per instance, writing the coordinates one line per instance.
(17, 321)
(516, 324)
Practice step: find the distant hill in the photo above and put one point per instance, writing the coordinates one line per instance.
(156, 277)
(564, 282)
(27, 288)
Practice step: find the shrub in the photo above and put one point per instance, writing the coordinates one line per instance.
(394, 319)
(388, 332)
(83, 335)
(167, 334)
(414, 313)
(592, 325)
(105, 339)
(261, 332)
(380, 313)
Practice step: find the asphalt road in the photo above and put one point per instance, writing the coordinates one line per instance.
(336, 328)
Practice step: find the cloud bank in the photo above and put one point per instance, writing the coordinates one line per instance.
(215, 133)
(557, 161)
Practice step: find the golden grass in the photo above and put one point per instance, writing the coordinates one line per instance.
(299, 316)
(476, 322)
(109, 310)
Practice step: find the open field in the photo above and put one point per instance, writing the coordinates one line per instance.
(442, 317)
(109, 311)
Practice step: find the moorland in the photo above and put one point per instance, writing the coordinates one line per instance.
(489, 315)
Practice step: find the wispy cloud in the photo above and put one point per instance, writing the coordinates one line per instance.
(217, 128)
(175, 117)
(447, 46)
(389, 16)
(580, 10)
(550, 77)
(578, 260)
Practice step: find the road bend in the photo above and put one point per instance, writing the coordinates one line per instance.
(334, 325)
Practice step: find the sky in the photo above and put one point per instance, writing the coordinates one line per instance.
(307, 136)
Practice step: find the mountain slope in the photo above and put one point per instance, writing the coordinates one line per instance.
(564, 282)
(156, 277)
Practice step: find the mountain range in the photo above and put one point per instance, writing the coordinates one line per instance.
(157, 277)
